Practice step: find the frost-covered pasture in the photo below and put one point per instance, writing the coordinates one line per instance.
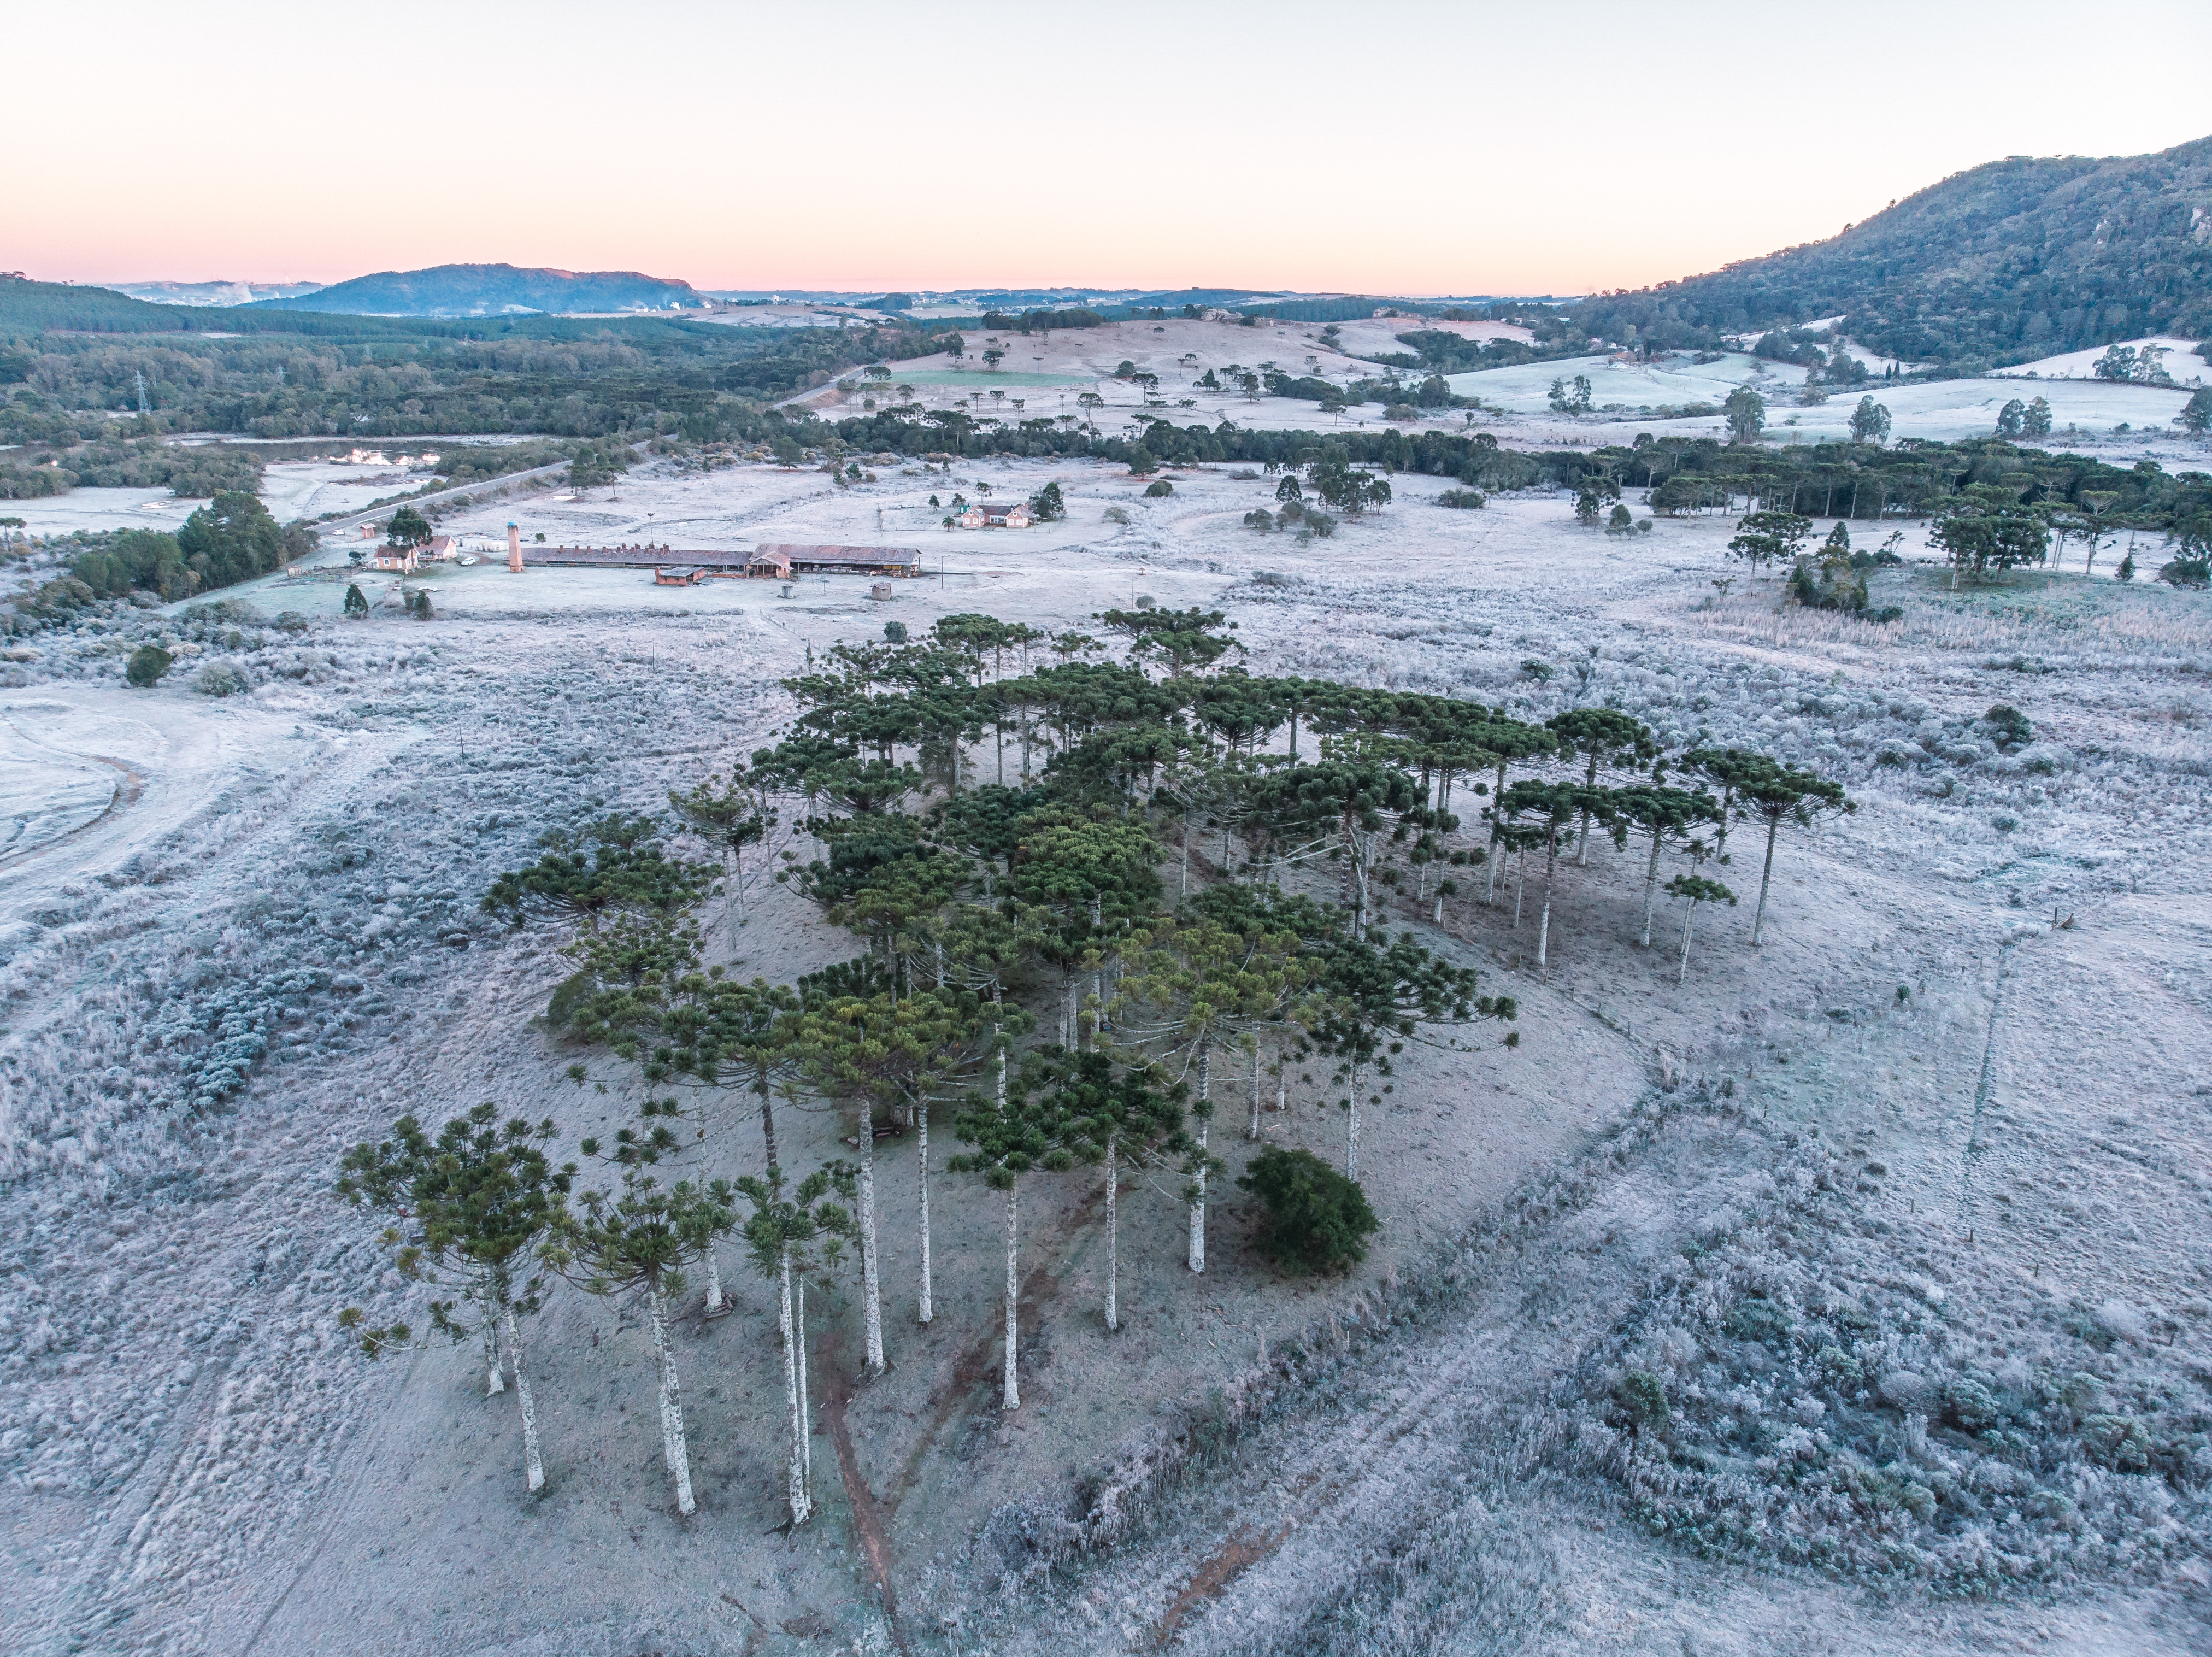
(1699, 1314)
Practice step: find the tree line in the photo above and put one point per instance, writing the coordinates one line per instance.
(1102, 884)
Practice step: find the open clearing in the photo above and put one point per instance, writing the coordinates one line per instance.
(1051, 372)
(1959, 1091)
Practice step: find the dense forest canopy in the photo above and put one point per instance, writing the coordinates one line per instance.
(74, 361)
(2020, 258)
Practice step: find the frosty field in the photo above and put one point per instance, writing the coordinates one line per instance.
(1905, 1212)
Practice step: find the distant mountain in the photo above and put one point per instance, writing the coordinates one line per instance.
(460, 290)
(213, 293)
(2017, 259)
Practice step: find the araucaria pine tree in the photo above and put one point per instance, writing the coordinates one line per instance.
(904, 1054)
(1692, 890)
(730, 817)
(631, 1244)
(1192, 985)
(1117, 1118)
(1670, 817)
(790, 1229)
(1601, 736)
(1773, 792)
(1030, 1132)
(1551, 808)
(483, 1199)
(1377, 993)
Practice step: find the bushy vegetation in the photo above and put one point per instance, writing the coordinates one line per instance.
(1313, 1218)
(1787, 1394)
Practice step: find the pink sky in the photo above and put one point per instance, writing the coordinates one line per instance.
(1401, 147)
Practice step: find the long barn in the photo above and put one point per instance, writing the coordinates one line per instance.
(792, 558)
(639, 557)
(783, 559)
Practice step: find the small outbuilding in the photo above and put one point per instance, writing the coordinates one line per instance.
(681, 576)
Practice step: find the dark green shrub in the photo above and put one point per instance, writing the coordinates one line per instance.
(1461, 500)
(1314, 1217)
(147, 665)
(1643, 1395)
(2008, 726)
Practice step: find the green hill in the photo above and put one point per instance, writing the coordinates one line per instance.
(491, 290)
(2014, 260)
(28, 307)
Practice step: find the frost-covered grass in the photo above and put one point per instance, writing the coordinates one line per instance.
(284, 957)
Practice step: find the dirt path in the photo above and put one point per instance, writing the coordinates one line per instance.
(869, 1517)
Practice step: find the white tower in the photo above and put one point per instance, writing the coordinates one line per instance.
(515, 548)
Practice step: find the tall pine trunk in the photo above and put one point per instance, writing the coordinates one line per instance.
(871, 1303)
(1198, 1204)
(533, 1465)
(805, 1392)
(1012, 1400)
(922, 1183)
(802, 1502)
(495, 1380)
(1351, 1128)
(1113, 1232)
(672, 1447)
(1683, 970)
(768, 1121)
(1254, 1134)
(1544, 926)
(1765, 878)
(1651, 888)
(1497, 796)
(714, 1279)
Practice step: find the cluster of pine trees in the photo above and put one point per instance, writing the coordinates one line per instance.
(1096, 886)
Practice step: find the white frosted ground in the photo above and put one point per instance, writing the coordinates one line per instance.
(99, 509)
(1673, 379)
(46, 793)
(205, 1464)
(2182, 361)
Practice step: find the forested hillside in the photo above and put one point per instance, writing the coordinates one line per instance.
(2017, 259)
(472, 291)
(82, 365)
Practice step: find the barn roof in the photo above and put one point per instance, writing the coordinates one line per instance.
(863, 557)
